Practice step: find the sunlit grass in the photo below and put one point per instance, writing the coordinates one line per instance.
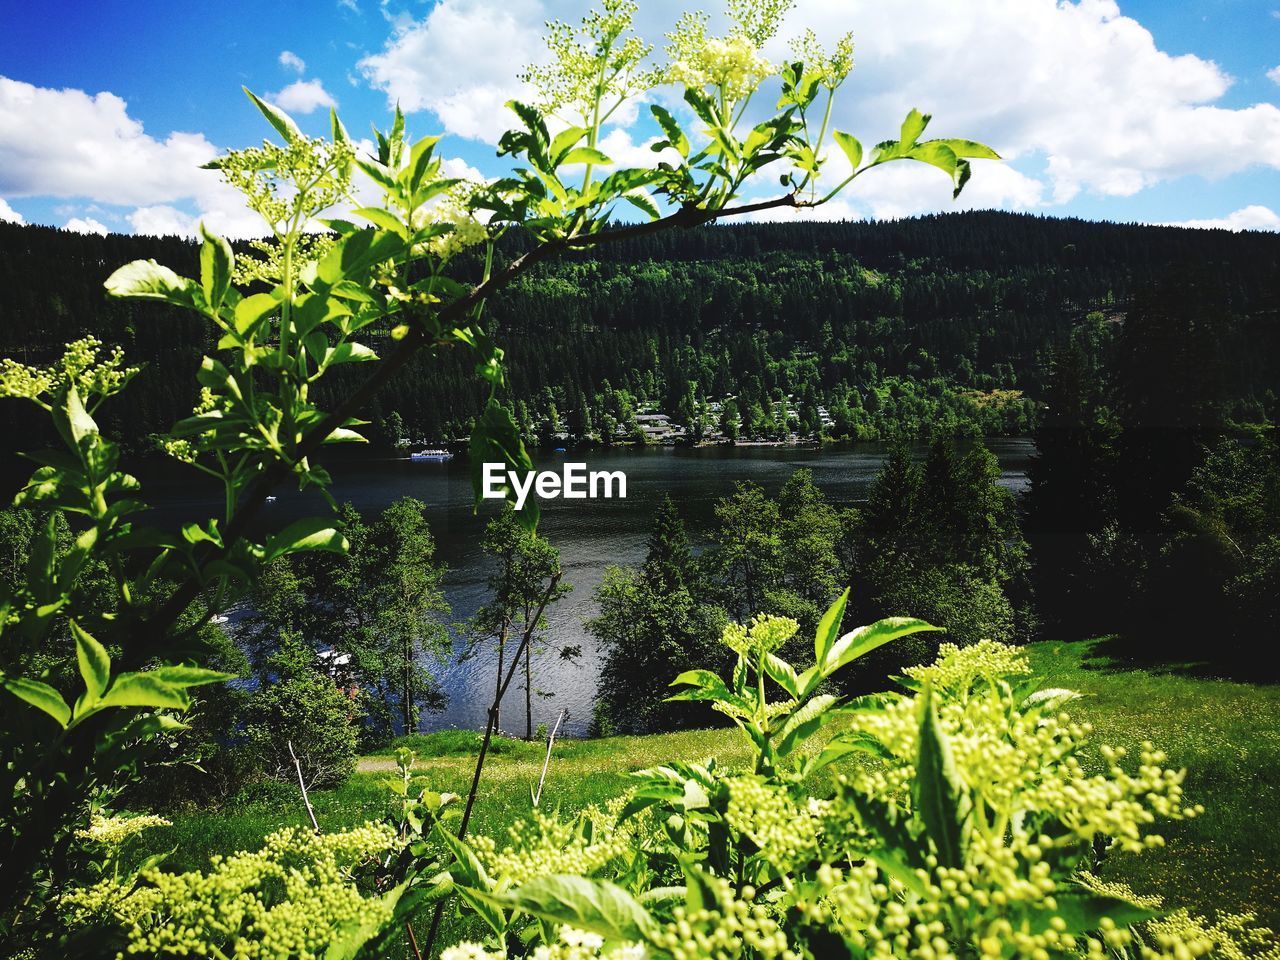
(1226, 734)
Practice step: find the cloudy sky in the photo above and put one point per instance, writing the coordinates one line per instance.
(1142, 110)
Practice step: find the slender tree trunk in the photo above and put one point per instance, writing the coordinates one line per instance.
(497, 698)
(528, 692)
(408, 686)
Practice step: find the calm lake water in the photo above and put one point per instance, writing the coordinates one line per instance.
(589, 533)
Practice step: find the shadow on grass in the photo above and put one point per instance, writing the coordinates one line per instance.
(1119, 653)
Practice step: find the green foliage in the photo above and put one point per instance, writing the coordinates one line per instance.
(654, 623)
(943, 542)
(302, 712)
(967, 829)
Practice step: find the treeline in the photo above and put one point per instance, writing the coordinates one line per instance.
(888, 327)
(937, 540)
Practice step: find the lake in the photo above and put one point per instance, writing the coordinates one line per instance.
(589, 533)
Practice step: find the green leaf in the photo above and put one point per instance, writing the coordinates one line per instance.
(564, 142)
(587, 904)
(829, 628)
(161, 688)
(80, 423)
(783, 674)
(336, 130)
(251, 310)
(865, 639)
(353, 255)
(912, 127)
(703, 681)
(39, 695)
(586, 155)
(468, 869)
(971, 149)
(311, 533)
(345, 435)
(276, 117)
(675, 136)
(216, 260)
(851, 147)
(643, 202)
(420, 161)
(94, 663)
(857, 741)
(804, 723)
(938, 793)
(382, 218)
(148, 280)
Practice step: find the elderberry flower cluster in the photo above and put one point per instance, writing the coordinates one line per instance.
(268, 266)
(82, 365)
(285, 900)
(764, 634)
(957, 670)
(288, 185)
(830, 68)
(733, 66)
(543, 845)
(731, 926)
(593, 63)
(114, 830)
(785, 832)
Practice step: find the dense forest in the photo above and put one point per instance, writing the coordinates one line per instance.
(849, 330)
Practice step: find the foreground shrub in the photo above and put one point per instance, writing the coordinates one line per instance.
(962, 817)
(955, 819)
(295, 897)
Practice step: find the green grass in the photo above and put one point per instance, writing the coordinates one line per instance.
(1227, 736)
(1225, 733)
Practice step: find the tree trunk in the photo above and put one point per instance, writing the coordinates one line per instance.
(408, 686)
(528, 692)
(497, 689)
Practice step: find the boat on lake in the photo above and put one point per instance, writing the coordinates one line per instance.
(431, 455)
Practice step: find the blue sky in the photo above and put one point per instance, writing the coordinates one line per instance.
(1153, 111)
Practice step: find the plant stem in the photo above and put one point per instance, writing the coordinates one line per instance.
(489, 730)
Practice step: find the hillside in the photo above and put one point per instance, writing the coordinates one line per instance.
(888, 326)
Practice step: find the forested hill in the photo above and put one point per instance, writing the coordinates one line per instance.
(884, 327)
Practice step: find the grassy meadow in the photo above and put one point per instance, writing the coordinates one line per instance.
(1226, 734)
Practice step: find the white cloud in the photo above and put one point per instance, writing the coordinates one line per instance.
(8, 214)
(461, 62)
(1076, 84)
(291, 61)
(85, 225)
(1274, 75)
(162, 221)
(1079, 97)
(455, 168)
(1253, 217)
(73, 145)
(67, 143)
(302, 96)
(618, 146)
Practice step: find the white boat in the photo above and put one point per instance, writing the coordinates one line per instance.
(431, 455)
